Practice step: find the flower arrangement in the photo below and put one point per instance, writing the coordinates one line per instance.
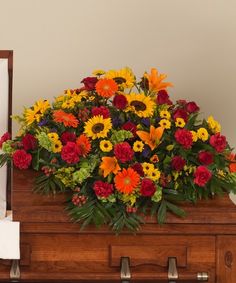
(122, 149)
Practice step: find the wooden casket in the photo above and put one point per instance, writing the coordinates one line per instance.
(200, 247)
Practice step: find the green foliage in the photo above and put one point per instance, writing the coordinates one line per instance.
(48, 185)
(120, 136)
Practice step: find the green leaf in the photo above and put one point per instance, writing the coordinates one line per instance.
(161, 215)
(175, 209)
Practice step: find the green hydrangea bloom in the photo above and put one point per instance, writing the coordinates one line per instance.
(7, 147)
(44, 141)
(65, 175)
(158, 195)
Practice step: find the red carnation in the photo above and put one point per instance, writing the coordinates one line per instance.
(178, 163)
(102, 110)
(29, 142)
(218, 142)
(129, 126)
(123, 152)
(120, 101)
(180, 113)
(68, 136)
(138, 168)
(102, 189)
(4, 138)
(205, 157)
(70, 152)
(202, 176)
(148, 188)
(21, 159)
(89, 83)
(192, 107)
(163, 98)
(184, 137)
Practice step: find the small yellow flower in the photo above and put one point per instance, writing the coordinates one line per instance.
(202, 134)
(105, 146)
(164, 123)
(68, 104)
(138, 146)
(194, 136)
(75, 99)
(56, 146)
(154, 175)
(98, 72)
(60, 98)
(147, 168)
(165, 114)
(180, 122)
(53, 137)
(213, 125)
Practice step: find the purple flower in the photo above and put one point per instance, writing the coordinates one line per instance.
(146, 152)
(43, 123)
(146, 122)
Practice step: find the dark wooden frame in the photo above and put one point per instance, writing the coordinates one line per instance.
(8, 54)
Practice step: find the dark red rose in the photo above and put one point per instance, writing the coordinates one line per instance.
(89, 83)
(68, 136)
(120, 101)
(21, 159)
(182, 102)
(202, 176)
(184, 137)
(70, 153)
(102, 189)
(123, 152)
(29, 142)
(180, 113)
(138, 168)
(102, 110)
(218, 142)
(148, 188)
(4, 138)
(129, 126)
(192, 107)
(163, 98)
(205, 157)
(178, 163)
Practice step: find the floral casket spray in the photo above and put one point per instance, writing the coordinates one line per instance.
(122, 149)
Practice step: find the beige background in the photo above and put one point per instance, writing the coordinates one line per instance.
(57, 42)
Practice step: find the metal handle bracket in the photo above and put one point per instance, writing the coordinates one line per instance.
(15, 271)
(125, 273)
(172, 270)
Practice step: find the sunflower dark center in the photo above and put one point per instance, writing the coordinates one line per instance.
(138, 105)
(97, 128)
(119, 80)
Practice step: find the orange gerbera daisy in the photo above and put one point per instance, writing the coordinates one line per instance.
(106, 87)
(68, 119)
(84, 144)
(127, 180)
(109, 165)
(155, 81)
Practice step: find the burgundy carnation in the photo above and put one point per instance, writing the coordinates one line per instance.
(103, 189)
(123, 152)
(202, 176)
(129, 126)
(180, 113)
(138, 168)
(192, 107)
(120, 101)
(102, 110)
(163, 98)
(148, 188)
(178, 163)
(184, 137)
(218, 142)
(205, 157)
(89, 83)
(29, 142)
(70, 153)
(21, 159)
(4, 138)
(68, 137)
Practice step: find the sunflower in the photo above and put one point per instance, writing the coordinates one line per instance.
(98, 73)
(84, 144)
(68, 119)
(68, 104)
(140, 104)
(97, 127)
(109, 165)
(106, 87)
(123, 77)
(155, 81)
(56, 146)
(31, 115)
(105, 145)
(138, 146)
(127, 180)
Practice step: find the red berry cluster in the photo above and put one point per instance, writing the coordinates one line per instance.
(130, 209)
(79, 200)
(48, 171)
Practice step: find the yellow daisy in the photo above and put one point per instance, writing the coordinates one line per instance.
(105, 146)
(202, 134)
(154, 175)
(97, 127)
(123, 77)
(194, 136)
(165, 114)
(138, 146)
(147, 168)
(41, 106)
(98, 72)
(213, 125)
(140, 104)
(53, 137)
(31, 115)
(164, 123)
(56, 146)
(68, 104)
(180, 122)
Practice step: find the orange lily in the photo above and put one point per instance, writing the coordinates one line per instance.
(151, 138)
(109, 165)
(155, 81)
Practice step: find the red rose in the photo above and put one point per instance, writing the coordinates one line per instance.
(148, 188)
(21, 159)
(218, 142)
(163, 98)
(181, 102)
(178, 163)
(129, 126)
(29, 142)
(138, 168)
(102, 110)
(70, 153)
(89, 83)
(180, 113)
(4, 138)
(192, 107)
(202, 176)
(205, 157)
(184, 137)
(120, 101)
(123, 152)
(68, 136)
(102, 189)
